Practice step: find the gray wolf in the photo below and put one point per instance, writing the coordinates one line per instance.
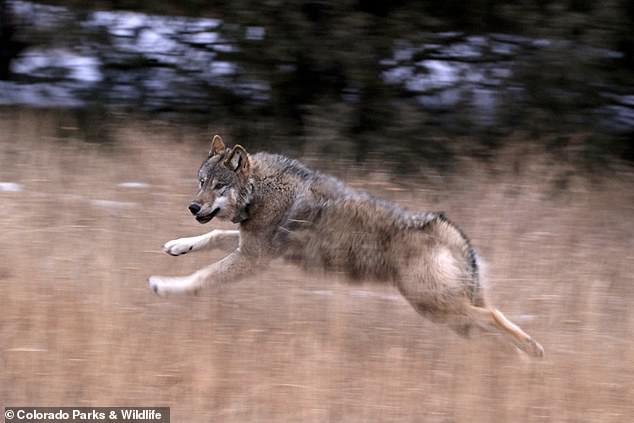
(285, 210)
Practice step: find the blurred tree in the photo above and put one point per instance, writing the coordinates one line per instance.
(10, 46)
(324, 64)
(326, 54)
(329, 53)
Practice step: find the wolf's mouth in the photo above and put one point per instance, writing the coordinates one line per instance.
(206, 218)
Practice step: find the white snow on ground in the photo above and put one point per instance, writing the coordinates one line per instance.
(133, 184)
(10, 187)
(80, 68)
(109, 204)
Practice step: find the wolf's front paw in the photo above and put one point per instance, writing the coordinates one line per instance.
(155, 283)
(163, 285)
(177, 247)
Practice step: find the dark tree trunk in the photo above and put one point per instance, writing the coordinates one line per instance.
(10, 48)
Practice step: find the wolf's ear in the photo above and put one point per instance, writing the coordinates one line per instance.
(217, 146)
(238, 159)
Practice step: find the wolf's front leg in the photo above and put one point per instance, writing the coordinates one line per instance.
(222, 239)
(231, 268)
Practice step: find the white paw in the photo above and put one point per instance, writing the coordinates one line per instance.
(163, 285)
(177, 247)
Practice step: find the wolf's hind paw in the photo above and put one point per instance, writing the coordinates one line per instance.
(534, 348)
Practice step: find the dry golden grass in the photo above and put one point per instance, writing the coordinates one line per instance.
(78, 325)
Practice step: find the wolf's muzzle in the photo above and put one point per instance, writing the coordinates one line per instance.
(194, 208)
(207, 217)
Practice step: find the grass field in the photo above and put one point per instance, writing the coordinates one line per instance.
(79, 327)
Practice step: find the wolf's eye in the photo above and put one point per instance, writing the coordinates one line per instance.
(220, 185)
(201, 181)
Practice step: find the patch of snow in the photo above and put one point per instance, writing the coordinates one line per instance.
(10, 187)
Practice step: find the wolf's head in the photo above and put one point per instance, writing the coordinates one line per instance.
(224, 187)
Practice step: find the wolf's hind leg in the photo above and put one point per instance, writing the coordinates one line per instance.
(226, 240)
(492, 320)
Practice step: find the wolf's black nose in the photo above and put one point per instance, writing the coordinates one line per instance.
(194, 208)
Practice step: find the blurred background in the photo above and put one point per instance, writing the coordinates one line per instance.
(516, 118)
